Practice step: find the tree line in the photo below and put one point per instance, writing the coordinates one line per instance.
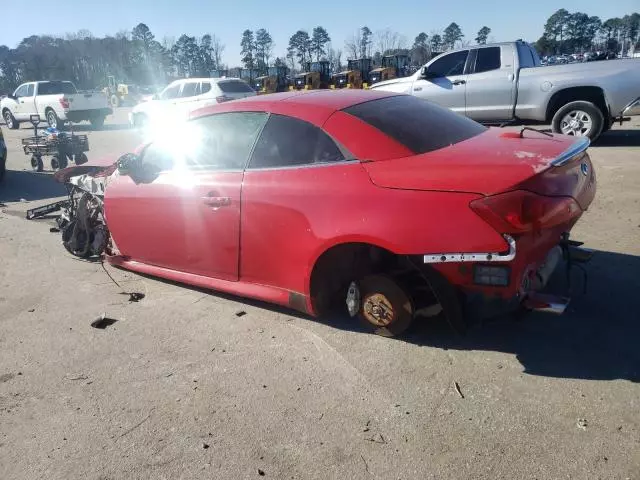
(566, 32)
(138, 57)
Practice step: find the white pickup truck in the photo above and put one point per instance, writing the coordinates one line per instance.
(56, 102)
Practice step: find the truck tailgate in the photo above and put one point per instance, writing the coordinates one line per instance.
(87, 101)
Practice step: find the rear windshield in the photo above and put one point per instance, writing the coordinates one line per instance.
(236, 86)
(419, 125)
(56, 88)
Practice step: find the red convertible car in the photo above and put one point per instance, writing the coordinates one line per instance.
(388, 204)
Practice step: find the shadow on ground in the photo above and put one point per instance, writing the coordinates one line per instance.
(107, 127)
(596, 339)
(30, 186)
(619, 138)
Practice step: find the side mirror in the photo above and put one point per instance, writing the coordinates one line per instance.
(425, 73)
(128, 164)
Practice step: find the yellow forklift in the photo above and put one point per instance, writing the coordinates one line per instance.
(393, 66)
(315, 76)
(355, 76)
(274, 81)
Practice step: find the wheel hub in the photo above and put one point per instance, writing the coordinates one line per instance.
(377, 309)
(576, 123)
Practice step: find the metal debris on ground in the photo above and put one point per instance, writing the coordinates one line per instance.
(261, 472)
(205, 445)
(135, 296)
(378, 438)
(457, 387)
(582, 423)
(241, 313)
(102, 322)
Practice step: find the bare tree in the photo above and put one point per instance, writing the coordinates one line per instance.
(217, 48)
(352, 45)
(386, 40)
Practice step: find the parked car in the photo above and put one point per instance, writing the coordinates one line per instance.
(182, 96)
(56, 102)
(388, 203)
(3, 156)
(500, 83)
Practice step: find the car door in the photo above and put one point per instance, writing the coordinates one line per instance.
(24, 102)
(182, 212)
(491, 84)
(445, 81)
(188, 97)
(294, 165)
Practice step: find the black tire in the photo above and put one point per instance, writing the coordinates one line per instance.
(80, 159)
(97, 122)
(55, 163)
(9, 120)
(114, 101)
(36, 163)
(384, 306)
(52, 119)
(579, 113)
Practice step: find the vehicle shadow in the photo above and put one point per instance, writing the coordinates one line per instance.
(618, 138)
(30, 186)
(106, 127)
(595, 339)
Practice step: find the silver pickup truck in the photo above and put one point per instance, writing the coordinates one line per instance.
(504, 82)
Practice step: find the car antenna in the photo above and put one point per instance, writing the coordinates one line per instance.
(534, 130)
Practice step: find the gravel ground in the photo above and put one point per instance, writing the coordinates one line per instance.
(184, 385)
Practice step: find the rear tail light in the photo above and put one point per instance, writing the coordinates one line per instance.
(520, 211)
(222, 98)
(64, 103)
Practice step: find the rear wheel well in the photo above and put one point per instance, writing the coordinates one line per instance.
(594, 95)
(338, 266)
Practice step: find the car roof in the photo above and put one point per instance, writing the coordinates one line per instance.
(297, 102)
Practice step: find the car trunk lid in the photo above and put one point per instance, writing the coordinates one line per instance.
(493, 162)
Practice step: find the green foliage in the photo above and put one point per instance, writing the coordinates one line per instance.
(319, 40)
(452, 34)
(483, 34)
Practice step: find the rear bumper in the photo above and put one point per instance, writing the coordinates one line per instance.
(80, 115)
(533, 264)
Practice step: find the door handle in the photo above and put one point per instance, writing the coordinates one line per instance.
(216, 202)
(458, 82)
(417, 89)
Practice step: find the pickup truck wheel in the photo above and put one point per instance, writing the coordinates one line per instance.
(579, 119)
(10, 121)
(384, 306)
(97, 122)
(52, 118)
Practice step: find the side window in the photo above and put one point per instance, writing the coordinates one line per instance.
(524, 54)
(449, 65)
(205, 87)
(487, 59)
(223, 141)
(170, 92)
(22, 91)
(190, 89)
(30, 89)
(287, 142)
(157, 158)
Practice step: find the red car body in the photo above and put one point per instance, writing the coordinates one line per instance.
(263, 233)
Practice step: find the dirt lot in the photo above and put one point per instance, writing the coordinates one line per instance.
(182, 386)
